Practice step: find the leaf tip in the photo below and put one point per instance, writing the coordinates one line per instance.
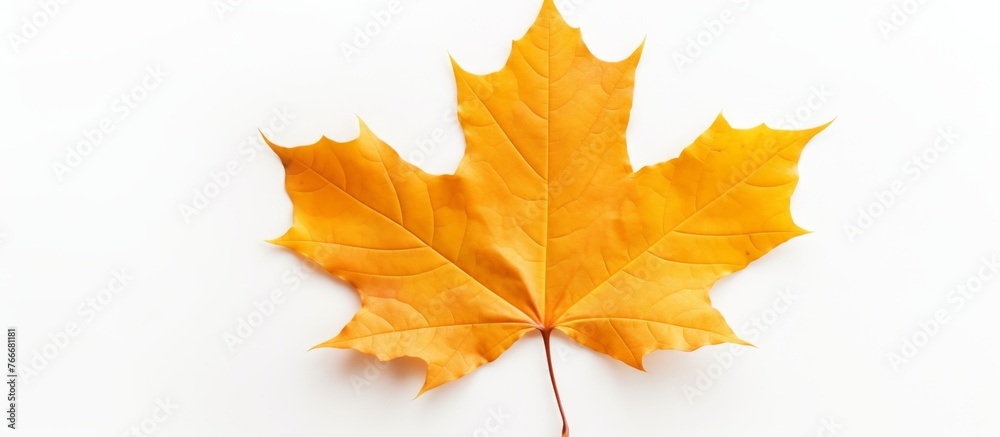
(736, 340)
(420, 393)
(282, 152)
(456, 67)
(428, 384)
(363, 129)
(721, 123)
(826, 125)
(642, 45)
(638, 364)
(324, 345)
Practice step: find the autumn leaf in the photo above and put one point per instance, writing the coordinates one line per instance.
(544, 226)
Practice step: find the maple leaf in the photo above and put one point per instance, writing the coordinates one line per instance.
(544, 226)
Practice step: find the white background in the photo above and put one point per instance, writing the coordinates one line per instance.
(823, 360)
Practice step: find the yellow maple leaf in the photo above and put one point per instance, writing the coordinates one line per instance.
(544, 226)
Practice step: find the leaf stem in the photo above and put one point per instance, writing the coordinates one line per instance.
(546, 334)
